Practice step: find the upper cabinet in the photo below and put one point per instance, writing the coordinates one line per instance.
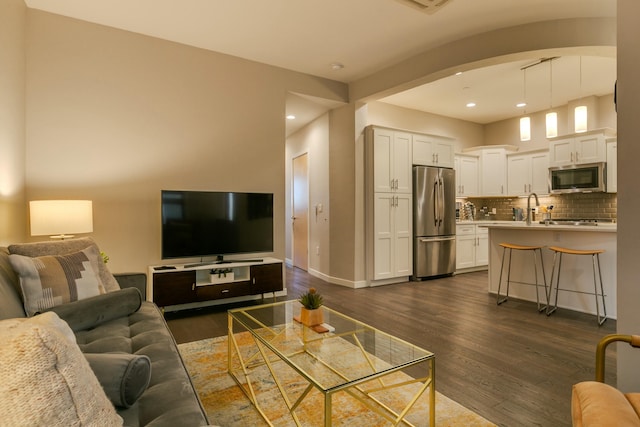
(391, 161)
(528, 173)
(429, 150)
(467, 174)
(493, 169)
(577, 149)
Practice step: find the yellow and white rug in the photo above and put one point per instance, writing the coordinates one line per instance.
(227, 406)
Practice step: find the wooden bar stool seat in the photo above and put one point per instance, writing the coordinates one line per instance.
(595, 256)
(511, 247)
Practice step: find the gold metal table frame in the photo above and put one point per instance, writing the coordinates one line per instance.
(277, 338)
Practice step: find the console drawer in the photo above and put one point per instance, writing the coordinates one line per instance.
(223, 290)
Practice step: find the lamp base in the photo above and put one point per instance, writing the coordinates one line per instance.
(62, 236)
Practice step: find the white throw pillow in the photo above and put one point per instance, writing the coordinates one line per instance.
(52, 280)
(46, 379)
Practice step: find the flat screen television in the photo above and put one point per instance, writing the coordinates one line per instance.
(211, 223)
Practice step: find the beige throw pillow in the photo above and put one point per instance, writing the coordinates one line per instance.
(46, 380)
(64, 247)
(49, 281)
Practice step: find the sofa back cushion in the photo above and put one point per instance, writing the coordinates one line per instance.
(10, 301)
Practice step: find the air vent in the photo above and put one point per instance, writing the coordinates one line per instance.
(428, 6)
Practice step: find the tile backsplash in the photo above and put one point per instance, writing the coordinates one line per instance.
(602, 206)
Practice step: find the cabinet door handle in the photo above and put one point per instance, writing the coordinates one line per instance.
(463, 189)
(433, 158)
(577, 157)
(193, 286)
(437, 158)
(572, 156)
(525, 188)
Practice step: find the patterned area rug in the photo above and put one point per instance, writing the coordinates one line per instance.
(227, 406)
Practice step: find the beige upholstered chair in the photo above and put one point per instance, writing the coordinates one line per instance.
(594, 403)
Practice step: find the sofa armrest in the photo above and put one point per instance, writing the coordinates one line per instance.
(133, 280)
(90, 312)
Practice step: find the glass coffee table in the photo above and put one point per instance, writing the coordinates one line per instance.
(342, 357)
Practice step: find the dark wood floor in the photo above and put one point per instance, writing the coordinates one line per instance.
(510, 364)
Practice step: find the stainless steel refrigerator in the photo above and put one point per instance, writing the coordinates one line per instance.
(434, 222)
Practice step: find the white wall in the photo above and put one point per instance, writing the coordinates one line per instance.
(313, 140)
(628, 190)
(12, 121)
(115, 117)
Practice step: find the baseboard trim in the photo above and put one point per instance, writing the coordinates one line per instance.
(338, 281)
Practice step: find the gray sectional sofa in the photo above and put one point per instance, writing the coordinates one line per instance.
(119, 321)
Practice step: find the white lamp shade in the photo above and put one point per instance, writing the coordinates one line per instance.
(552, 125)
(525, 129)
(60, 217)
(581, 118)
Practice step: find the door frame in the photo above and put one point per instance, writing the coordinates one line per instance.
(293, 177)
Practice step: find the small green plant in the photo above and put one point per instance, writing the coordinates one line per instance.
(105, 257)
(311, 299)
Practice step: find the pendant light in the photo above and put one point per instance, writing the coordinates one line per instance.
(552, 116)
(580, 112)
(525, 122)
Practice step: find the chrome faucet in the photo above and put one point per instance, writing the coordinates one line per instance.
(529, 206)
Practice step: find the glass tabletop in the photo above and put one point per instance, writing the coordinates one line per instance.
(339, 353)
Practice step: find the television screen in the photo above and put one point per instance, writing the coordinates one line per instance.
(207, 223)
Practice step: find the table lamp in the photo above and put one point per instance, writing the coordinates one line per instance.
(59, 218)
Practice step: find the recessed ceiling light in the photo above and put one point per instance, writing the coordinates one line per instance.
(337, 66)
(290, 117)
(521, 104)
(471, 104)
(458, 73)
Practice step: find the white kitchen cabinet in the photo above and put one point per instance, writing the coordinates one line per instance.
(482, 247)
(528, 173)
(389, 205)
(467, 174)
(577, 149)
(493, 172)
(393, 241)
(391, 160)
(612, 165)
(429, 150)
(472, 246)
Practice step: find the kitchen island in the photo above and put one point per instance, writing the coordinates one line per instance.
(577, 272)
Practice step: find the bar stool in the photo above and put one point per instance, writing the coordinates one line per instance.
(595, 256)
(510, 247)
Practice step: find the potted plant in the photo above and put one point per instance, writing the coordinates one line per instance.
(311, 313)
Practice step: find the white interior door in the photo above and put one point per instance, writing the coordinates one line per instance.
(300, 212)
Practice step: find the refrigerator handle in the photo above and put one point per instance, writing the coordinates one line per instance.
(436, 202)
(441, 202)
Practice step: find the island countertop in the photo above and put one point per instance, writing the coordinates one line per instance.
(536, 226)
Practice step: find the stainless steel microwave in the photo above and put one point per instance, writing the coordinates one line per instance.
(587, 178)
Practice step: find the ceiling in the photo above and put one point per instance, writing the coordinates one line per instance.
(365, 36)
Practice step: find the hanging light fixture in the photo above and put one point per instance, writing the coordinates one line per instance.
(580, 112)
(525, 128)
(525, 122)
(552, 116)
